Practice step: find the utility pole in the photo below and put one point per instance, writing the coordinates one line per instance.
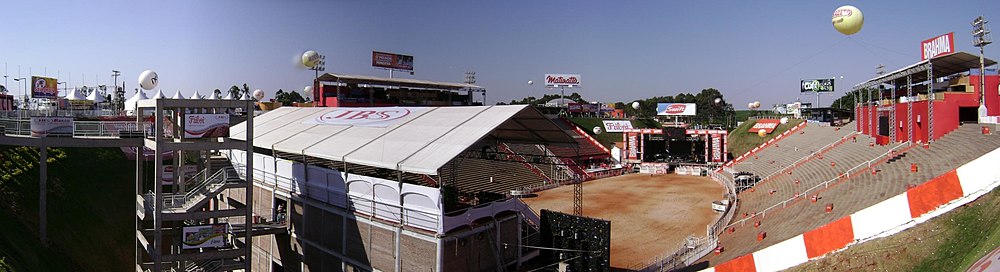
(981, 38)
(116, 73)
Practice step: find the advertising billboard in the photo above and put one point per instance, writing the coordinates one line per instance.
(822, 85)
(365, 117)
(55, 126)
(44, 87)
(562, 80)
(617, 125)
(940, 45)
(205, 236)
(633, 146)
(206, 126)
(768, 125)
(717, 147)
(392, 61)
(675, 109)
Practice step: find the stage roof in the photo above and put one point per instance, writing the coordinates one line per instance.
(398, 82)
(954, 63)
(415, 139)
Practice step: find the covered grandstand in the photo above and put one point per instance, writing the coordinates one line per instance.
(340, 90)
(413, 187)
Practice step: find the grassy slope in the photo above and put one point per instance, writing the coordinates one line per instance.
(951, 242)
(741, 140)
(607, 138)
(90, 215)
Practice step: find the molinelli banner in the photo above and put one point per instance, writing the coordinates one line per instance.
(822, 85)
(687, 109)
(365, 117)
(562, 80)
(392, 61)
(205, 236)
(617, 125)
(206, 126)
(55, 126)
(44, 87)
(940, 45)
(768, 125)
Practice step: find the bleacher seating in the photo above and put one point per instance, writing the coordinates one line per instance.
(849, 195)
(473, 175)
(786, 151)
(585, 147)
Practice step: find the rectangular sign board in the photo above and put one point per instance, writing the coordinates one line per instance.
(768, 125)
(206, 126)
(54, 126)
(44, 87)
(562, 80)
(205, 236)
(617, 125)
(940, 45)
(822, 85)
(392, 61)
(676, 109)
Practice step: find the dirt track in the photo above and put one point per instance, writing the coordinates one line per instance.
(649, 215)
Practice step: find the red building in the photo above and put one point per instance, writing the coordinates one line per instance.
(900, 102)
(336, 90)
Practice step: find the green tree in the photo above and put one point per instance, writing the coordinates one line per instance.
(288, 98)
(217, 92)
(234, 91)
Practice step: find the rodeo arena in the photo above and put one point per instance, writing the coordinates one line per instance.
(391, 174)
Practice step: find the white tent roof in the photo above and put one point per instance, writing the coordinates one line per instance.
(196, 95)
(420, 142)
(214, 96)
(97, 98)
(130, 103)
(74, 95)
(245, 96)
(229, 96)
(158, 95)
(178, 95)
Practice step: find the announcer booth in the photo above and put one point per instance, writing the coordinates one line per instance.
(670, 147)
(338, 90)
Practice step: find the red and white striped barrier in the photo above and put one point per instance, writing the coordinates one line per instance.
(917, 205)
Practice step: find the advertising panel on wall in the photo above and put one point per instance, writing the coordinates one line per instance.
(44, 87)
(392, 61)
(366, 117)
(562, 80)
(633, 146)
(617, 125)
(717, 147)
(940, 45)
(54, 126)
(206, 126)
(676, 109)
(822, 85)
(768, 125)
(574, 107)
(205, 236)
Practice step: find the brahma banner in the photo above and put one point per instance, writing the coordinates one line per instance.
(562, 80)
(617, 125)
(205, 236)
(54, 126)
(940, 45)
(365, 117)
(392, 61)
(206, 126)
(768, 125)
(44, 87)
(675, 109)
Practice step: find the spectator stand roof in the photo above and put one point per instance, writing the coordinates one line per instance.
(409, 139)
(397, 82)
(941, 65)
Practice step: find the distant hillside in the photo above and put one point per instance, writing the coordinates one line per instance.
(741, 140)
(90, 207)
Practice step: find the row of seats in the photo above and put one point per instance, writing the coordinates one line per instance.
(476, 175)
(794, 146)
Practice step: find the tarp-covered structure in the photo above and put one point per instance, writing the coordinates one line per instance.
(418, 140)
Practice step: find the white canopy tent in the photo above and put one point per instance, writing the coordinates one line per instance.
(158, 95)
(97, 98)
(131, 102)
(75, 95)
(196, 95)
(178, 95)
(421, 141)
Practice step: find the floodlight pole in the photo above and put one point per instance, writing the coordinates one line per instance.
(980, 39)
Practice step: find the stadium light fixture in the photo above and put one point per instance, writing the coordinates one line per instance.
(981, 38)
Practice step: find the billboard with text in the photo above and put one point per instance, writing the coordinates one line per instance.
(44, 87)
(676, 109)
(392, 61)
(822, 85)
(562, 80)
(617, 125)
(205, 236)
(940, 45)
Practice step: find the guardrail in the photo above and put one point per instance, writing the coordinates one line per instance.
(826, 184)
(22, 127)
(171, 201)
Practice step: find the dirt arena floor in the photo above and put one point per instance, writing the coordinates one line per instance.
(649, 215)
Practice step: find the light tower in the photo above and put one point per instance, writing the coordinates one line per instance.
(981, 38)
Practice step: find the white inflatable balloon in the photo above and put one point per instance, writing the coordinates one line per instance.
(756, 104)
(718, 100)
(635, 105)
(597, 130)
(258, 94)
(530, 82)
(784, 120)
(848, 20)
(308, 90)
(148, 80)
(750, 105)
(310, 58)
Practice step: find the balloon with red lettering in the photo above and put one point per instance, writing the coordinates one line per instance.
(310, 58)
(258, 94)
(848, 20)
(762, 133)
(148, 80)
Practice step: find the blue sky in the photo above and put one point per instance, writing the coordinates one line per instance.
(624, 50)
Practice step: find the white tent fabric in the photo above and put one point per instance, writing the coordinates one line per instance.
(97, 98)
(196, 95)
(245, 97)
(130, 103)
(214, 96)
(158, 95)
(178, 95)
(229, 96)
(74, 95)
(420, 142)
